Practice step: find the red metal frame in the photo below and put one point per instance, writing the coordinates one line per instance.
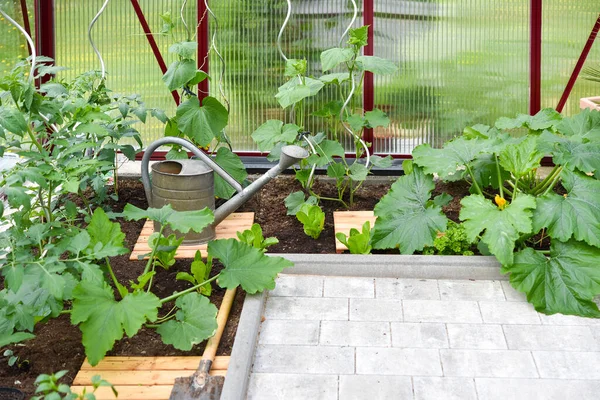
(152, 42)
(44, 31)
(203, 31)
(579, 65)
(26, 24)
(368, 88)
(535, 57)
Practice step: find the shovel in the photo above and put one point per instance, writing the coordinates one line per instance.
(202, 386)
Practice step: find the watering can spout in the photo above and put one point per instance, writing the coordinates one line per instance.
(289, 156)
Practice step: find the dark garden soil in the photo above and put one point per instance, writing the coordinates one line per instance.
(57, 345)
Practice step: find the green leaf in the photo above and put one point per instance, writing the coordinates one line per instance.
(566, 282)
(331, 58)
(329, 149)
(377, 118)
(246, 266)
(103, 320)
(184, 49)
(405, 217)
(376, 65)
(12, 120)
(294, 67)
(502, 227)
(358, 36)
(331, 109)
(231, 163)
(335, 78)
(182, 221)
(358, 172)
(586, 125)
(442, 199)
(574, 215)
(294, 201)
(202, 124)
(544, 119)
(274, 131)
(17, 337)
(199, 77)
(106, 238)
(297, 89)
(336, 170)
(573, 152)
(382, 162)
(179, 74)
(194, 322)
(520, 159)
(356, 122)
(312, 218)
(357, 242)
(446, 161)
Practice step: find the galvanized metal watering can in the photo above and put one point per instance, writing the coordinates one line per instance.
(189, 184)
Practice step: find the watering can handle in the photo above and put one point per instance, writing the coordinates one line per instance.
(189, 146)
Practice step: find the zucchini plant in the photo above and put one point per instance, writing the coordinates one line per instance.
(511, 212)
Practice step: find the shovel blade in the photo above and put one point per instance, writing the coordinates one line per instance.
(185, 389)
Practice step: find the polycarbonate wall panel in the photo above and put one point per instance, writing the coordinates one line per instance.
(13, 46)
(566, 27)
(461, 62)
(130, 64)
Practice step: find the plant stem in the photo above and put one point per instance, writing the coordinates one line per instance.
(151, 258)
(112, 274)
(470, 171)
(500, 185)
(543, 185)
(186, 291)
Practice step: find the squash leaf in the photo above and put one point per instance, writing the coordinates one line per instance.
(246, 266)
(501, 227)
(194, 321)
(182, 221)
(231, 163)
(202, 123)
(566, 282)
(405, 216)
(574, 215)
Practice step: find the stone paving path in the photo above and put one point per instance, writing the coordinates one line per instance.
(385, 338)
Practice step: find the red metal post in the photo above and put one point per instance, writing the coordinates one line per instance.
(203, 35)
(368, 88)
(535, 57)
(152, 42)
(579, 65)
(26, 24)
(44, 31)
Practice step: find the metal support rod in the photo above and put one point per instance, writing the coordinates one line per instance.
(152, 42)
(26, 24)
(44, 31)
(369, 50)
(579, 65)
(535, 57)
(203, 38)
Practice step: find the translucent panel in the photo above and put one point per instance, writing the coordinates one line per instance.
(461, 62)
(130, 63)
(13, 46)
(566, 28)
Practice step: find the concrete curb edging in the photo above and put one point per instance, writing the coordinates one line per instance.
(373, 265)
(242, 354)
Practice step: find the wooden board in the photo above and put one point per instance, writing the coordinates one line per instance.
(143, 378)
(343, 221)
(236, 222)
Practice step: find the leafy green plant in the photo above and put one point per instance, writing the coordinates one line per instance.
(511, 211)
(254, 237)
(341, 115)
(357, 242)
(452, 242)
(312, 218)
(199, 272)
(48, 387)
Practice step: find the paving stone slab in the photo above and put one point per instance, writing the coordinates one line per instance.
(304, 359)
(393, 361)
(349, 287)
(429, 335)
(428, 388)
(495, 312)
(488, 363)
(355, 333)
(375, 310)
(289, 331)
(361, 387)
(471, 290)
(292, 387)
(441, 311)
(568, 364)
(306, 308)
(476, 336)
(550, 337)
(536, 389)
(298, 286)
(402, 289)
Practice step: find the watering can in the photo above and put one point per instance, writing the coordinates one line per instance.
(188, 185)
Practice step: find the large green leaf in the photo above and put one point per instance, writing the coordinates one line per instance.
(586, 124)
(545, 119)
(195, 321)
(202, 124)
(296, 200)
(105, 237)
(573, 152)
(521, 158)
(274, 131)
(246, 266)
(576, 214)
(103, 320)
(12, 120)
(376, 65)
(184, 49)
(454, 155)
(231, 163)
(182, 221)
(331, 58)
(566, 282)
(179, 73)
(405, 217)
(501, 227)
(376, 118)
(297, 89)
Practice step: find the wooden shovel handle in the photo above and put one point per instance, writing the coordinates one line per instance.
(213, 343)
